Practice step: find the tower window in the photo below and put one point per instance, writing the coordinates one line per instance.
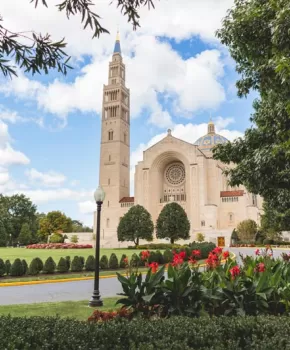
(202, 223)
(108, 223)
(125, 138)
(111, 135)
(108, 203)
(109, 158)
(109, 181)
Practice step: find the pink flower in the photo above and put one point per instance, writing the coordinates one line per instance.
(257, 252)
(235, 271)
(196, 253)
(217, 250)
(226, 254)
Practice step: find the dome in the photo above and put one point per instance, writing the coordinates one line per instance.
(211, 139)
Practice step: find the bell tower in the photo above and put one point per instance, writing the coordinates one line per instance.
(115, 141)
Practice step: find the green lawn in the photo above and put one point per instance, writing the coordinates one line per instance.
(75, 309)
(56, 254)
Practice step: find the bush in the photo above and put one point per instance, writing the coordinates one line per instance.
(2, 268)
(268, 241)
(204, 247)
(168, 256)
(39, 264)
(25, 267)
(158, 246)
(49, 265)
(56, 238)
(135, 260)
(104, 263)
(74, 239)
(76, 264)
(159, 257)
(62, 265)
(90, 263)
(113, 262)
(176, 333)
(122, 262)
(8, 267)
(82, 260)
(152, 257)
(67, 259)
(17, 268)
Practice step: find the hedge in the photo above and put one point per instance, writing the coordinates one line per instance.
(176, 333)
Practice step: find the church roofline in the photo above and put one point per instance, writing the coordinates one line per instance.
(238, 193)
(127, 200)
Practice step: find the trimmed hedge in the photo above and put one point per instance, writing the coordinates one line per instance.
(176, 333)
(156, 246)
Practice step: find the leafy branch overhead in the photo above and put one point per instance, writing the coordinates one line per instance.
(36, 52)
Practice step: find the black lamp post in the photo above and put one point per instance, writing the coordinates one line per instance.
(96, 297)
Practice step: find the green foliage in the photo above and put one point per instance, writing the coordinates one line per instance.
(62, 266)
(49, 265)
(25, 235)
(54, 222)
(8, 267)
(122, 262)
(33, 269)
(39, 264)
(200, 237)
(234, 236)
(247, 230)
(78, 226)
(56, 238)
(256, 33)
(172, 223)
(104, 263)
(3, 235)
(90, 263)
(168, 256)
(159, 257)
(76, 264)
(25, 266)
(135, 261)
(2, 268)
(17, 268)
(82, 260)
(152, 246)
(136, 224)
(67, 259)
(113, 261)
(204, 247)
(74, 239)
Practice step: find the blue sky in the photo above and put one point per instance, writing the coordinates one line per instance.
(178, 73)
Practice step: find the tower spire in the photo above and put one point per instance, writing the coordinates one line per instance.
(117, 48)
(210, 127)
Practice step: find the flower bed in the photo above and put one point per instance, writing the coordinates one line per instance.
(59, 246)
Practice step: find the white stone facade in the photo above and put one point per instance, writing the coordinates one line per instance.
(171, 170)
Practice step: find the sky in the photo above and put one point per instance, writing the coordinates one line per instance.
(178, 73)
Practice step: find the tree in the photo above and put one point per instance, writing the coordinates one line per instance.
(90, 263)
(25, 235)
(172, 223)
(136, 224)
(74, 239)
(3, 235)
(17, 268)
(247, 230)
(35, 52)
(54, 222)
(113, 261)
(49, 265)
(257, 35)
(76, 264)
(200, 237)
(62, 265)
(78, 226)
(2, 268)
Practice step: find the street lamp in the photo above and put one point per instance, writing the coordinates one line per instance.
(96, 297)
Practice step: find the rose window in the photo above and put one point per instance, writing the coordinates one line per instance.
(175, 174)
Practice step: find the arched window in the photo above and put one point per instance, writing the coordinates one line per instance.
(108, 223)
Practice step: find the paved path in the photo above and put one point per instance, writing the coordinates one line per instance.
(80, 290)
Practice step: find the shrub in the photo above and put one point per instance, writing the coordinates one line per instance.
(2, 268)
(56, 238)
(135, 260)
(152, 257)
(159, 257)
(204, 247)
(8, 267)
(200, 237)
(152, 246)
(76, 264)
(62, 265)
(49, 265)
(176, 333)
(168, 256)
(25, 267)
(74, 239)
(67, 259)
(33, 268)
(141, 261)
(17, 268)
(113, 262)
(90, 263)
(104, 263)
(122, 262)
(268, 241)
(39, 264)
(82, 260)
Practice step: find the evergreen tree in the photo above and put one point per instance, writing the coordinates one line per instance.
(3, 235)
(173, 223)
(113, 262)
(76, 264)
(67, 259)
(62, 265)
(2, 268)
(25, 266)
(82, 260)
(8, 267)
(39, 264)
(136, 224)
(25, 235)
(104, 263)
(122, 261)
(90, 263)
(17, 268)
(33, 269)
(49, 266)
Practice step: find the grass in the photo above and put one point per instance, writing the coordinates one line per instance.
(74, 309)
(56, 254)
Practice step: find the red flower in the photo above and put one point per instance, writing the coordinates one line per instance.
(178, 259)
(226, 254)
(257, 252)
(182, 255)
(213, 260)
(145, 255)
(261, 267)
(217, 250)
(126, 260)
(196, 253)
(235, 271)
(192, 261)
(154, 267)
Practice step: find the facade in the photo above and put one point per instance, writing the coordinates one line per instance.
(171, 170)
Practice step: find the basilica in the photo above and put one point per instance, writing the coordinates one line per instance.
(172, 170)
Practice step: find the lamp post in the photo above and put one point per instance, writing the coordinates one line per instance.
(96, 297)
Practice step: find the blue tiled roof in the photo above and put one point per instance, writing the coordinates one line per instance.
(117, 48)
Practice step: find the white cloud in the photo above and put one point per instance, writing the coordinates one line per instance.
(87, 207)
(50, 178)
